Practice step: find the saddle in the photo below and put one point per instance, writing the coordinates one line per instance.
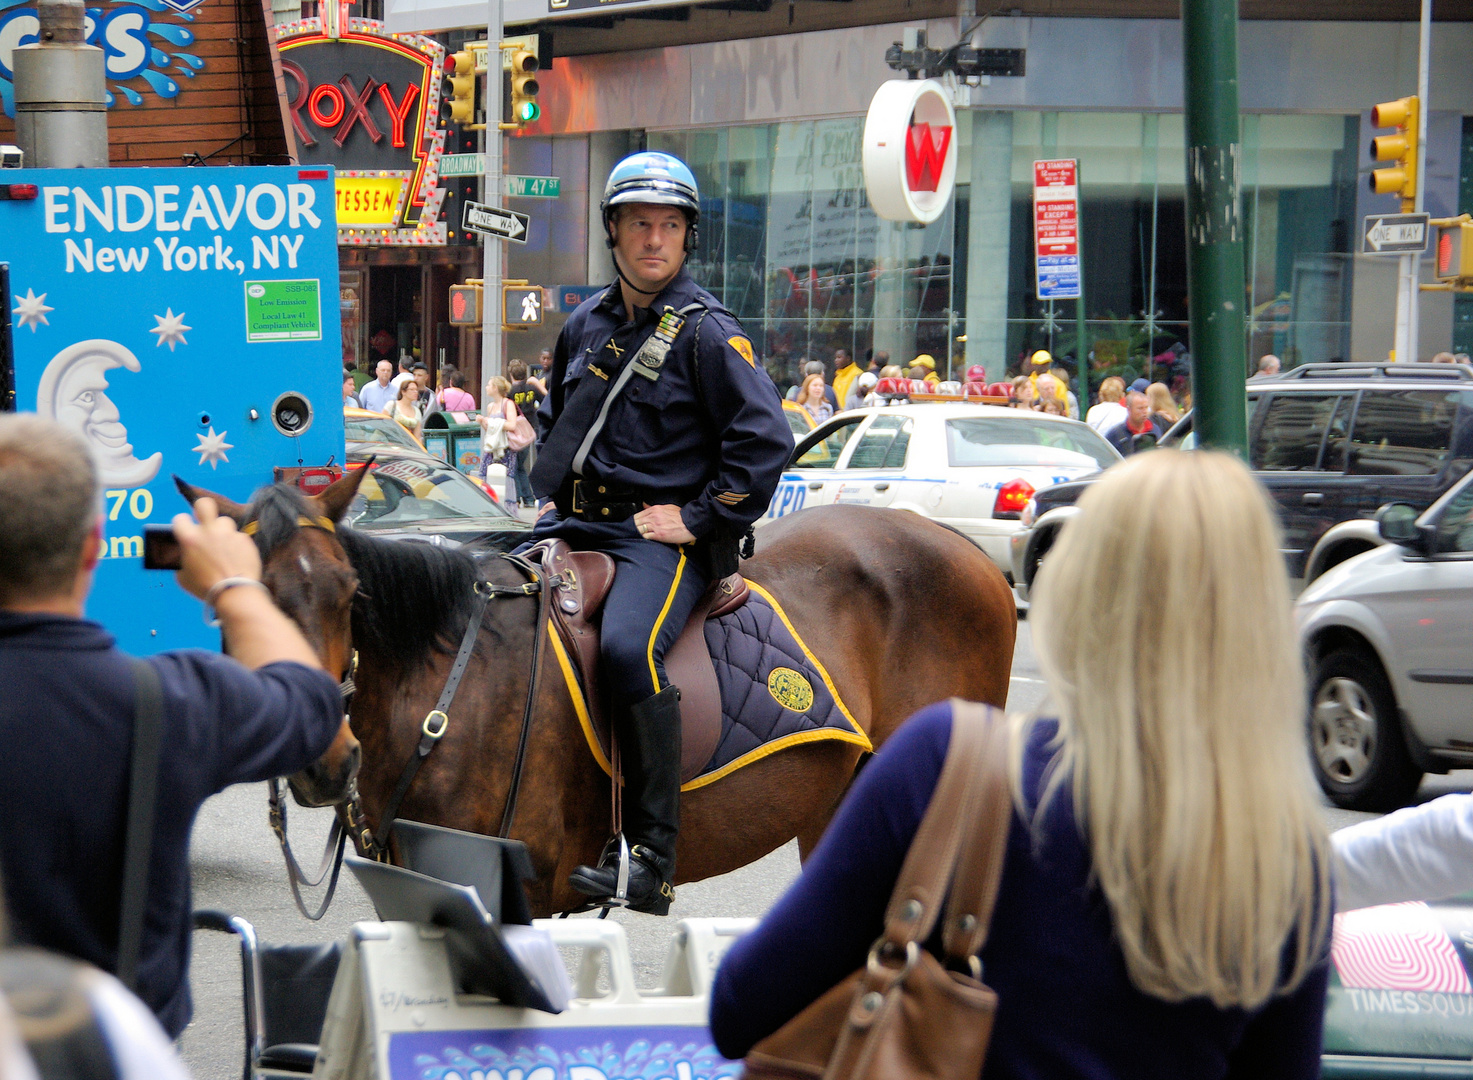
(584, 581)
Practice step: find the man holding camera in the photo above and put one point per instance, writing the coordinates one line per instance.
(67, 714)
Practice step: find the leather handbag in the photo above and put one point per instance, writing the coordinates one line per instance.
(906, 1015)
(519, 433)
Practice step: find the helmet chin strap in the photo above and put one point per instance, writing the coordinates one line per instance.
(625, 277)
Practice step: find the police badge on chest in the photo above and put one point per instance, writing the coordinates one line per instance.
(651, 355)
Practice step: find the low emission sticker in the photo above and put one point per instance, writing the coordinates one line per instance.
(283, 310)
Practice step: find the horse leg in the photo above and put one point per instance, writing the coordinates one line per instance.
(762, 806)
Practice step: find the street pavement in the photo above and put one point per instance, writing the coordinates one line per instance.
(237, 867)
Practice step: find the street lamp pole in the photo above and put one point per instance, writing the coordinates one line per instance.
(491, 312)
(1215, 270)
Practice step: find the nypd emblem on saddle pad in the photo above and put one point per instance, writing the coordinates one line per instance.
(774, 692)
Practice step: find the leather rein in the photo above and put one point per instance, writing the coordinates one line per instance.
(351, 819)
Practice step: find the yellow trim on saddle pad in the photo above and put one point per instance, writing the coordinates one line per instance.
(856, 736)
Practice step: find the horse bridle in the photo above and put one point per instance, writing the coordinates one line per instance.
(352, 820)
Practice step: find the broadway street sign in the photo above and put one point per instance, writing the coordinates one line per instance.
(462, 165)
(494, 221)
(1395, 234)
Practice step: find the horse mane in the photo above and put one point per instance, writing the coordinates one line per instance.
(413, 599)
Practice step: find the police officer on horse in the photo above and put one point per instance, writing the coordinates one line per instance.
(662, 441)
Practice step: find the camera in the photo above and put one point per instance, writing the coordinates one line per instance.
(161, 548)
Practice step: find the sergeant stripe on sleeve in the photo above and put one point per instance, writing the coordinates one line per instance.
(731, 498)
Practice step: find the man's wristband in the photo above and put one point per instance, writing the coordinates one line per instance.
(212, 618)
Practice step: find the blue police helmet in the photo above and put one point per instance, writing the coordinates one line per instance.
(653, 177)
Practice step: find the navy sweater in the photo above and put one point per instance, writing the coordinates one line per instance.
(66, 732)
(1066, 1004)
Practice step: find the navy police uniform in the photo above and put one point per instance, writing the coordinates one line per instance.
(669, 408)
(708, 436)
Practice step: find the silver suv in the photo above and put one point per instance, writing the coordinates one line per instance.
(1388, 641)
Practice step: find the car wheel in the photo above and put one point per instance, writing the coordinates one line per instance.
(1356, 745)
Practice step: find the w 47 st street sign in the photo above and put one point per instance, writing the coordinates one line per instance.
(494, 221)
(1395, 234)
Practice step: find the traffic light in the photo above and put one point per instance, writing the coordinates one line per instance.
(1455, 251)
(465, 304)
(524, 87)
(1400, 148)
(458, 91)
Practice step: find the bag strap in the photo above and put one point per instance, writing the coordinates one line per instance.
(928, 868)
(143, 784)
(984, 846)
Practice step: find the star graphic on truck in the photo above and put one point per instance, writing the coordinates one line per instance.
(170, 329)
(31, 309)
(212, 447)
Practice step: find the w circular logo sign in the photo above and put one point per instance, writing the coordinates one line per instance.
(910, 151)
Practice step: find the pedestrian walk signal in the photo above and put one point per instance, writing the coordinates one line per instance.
(465, 304)
(521, 306)
(1400, 179)
(524, 87)
(458, 90)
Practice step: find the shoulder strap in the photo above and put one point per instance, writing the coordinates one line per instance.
(143, 783)
(984, 846)
(927, 870)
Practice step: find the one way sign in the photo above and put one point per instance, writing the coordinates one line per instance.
(494, 221)
(1395, 234)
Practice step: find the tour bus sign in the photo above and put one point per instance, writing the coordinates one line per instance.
(176, 319)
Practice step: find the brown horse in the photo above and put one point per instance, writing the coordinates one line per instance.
(901, 611)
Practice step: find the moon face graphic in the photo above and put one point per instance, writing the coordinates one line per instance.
(73, 392)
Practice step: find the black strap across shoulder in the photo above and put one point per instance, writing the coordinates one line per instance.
(143, 784)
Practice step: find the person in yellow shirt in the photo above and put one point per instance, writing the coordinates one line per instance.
(929, 363)
(845, 372)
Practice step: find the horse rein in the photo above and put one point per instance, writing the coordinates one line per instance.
(332, 854)
(437, 721)
(351, 818)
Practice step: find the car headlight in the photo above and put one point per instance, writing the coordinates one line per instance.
(1030, 510)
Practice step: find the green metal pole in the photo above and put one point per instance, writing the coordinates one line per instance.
(1081, 332)
(1215, 271)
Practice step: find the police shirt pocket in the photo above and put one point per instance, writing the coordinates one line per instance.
(649, 401)
(576, 369)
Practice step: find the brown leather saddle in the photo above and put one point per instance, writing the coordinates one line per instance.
(584, 579)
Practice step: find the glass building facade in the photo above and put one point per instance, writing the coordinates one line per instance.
(789, 242)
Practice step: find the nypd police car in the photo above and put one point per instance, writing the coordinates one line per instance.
(972, 467)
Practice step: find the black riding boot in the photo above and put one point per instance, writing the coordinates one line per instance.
(650, 748)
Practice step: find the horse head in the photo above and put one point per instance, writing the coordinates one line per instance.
(313, 582)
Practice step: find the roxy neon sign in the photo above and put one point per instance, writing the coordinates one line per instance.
(340, 106)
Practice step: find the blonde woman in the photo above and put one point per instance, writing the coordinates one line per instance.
(500, 410)
(1164, 412)
(1109, 413)
(1164, 908)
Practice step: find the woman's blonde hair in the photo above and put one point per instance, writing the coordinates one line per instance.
(1161, 401)
(803, 393)
(1112, 389)
(1161, 620)
(499, 384)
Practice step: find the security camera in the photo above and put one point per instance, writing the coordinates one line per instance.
(12, 157)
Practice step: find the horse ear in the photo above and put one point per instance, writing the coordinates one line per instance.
(333, 502)
(228, 507)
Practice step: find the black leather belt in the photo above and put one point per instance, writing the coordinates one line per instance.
(603, 502)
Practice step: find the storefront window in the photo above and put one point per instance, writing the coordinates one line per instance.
(789, 243)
